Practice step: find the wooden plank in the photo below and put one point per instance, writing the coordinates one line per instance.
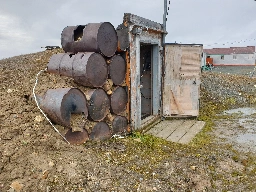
(154, 130)
(196, 128)
(169, 128)
(158, 128)
(180, 131)
(177, 103)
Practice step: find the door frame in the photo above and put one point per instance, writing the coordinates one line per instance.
(135, 77)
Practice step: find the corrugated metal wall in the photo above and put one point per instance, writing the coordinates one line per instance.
(181, 88)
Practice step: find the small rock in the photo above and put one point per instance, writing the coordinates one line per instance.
(9, 90)
(60, 168)
(193, 167)
(38, 60)
(16, 186)
(51, 164)
(39, 118)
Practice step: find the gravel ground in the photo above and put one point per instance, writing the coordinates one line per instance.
(33, 157)
(233, 89)
(235, 70)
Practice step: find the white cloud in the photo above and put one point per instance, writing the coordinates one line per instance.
(25, 27)
(12, 36)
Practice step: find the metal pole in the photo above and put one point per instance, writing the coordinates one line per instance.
(164, 20)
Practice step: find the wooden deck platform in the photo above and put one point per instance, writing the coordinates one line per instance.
(181, 131)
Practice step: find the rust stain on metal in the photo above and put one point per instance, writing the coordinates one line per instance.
(100, 131)
(59, 103)
(128, 84)
(123, 38)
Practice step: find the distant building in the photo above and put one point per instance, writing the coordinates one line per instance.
(233, 56)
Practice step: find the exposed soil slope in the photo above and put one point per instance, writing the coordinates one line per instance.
(33, 157)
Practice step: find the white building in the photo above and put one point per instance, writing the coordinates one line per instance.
(233, 56)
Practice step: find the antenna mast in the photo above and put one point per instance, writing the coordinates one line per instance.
(165, 19)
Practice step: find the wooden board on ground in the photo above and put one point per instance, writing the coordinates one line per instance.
(181, 131)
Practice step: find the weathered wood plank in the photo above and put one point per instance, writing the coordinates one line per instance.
(191, 133)
(169, 128)
(180, 131)
(153, 131)
(158, 128)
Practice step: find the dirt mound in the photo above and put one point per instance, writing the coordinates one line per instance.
(33, 157)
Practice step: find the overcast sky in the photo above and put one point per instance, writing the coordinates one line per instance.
(27, 25)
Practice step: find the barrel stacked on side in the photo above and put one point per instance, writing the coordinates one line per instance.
(92, 58)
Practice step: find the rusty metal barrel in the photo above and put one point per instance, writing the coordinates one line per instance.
(120, 125)
(59, 103)
(54, 63)
(118, 100)
(123, 38)
(61, 64)
(77, 137)
(66, 65)
(100, 131)
(98, 104)
(117, 69)
(90, 69)
(93, 37)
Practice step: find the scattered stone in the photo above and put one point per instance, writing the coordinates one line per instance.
(60, 168)
(51, 164)
(39, 118)
(17, 186)
(9, 90)
(193, 167)
(236, 90)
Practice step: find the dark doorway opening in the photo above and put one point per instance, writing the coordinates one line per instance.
(146, 79)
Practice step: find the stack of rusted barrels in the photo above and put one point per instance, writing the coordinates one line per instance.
(93, 59)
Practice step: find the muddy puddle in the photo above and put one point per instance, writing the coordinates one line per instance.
(237, 128)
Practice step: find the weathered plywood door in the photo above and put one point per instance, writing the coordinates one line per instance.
(181, 87)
